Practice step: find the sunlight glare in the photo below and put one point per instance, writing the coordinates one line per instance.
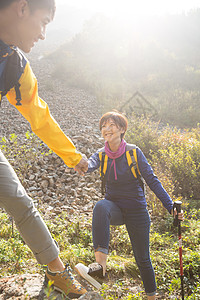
(133, 7)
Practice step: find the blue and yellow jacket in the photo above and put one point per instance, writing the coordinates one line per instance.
(126, 191)
(19, 84)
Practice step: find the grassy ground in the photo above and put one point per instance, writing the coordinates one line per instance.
(124, 281)
(176, 162)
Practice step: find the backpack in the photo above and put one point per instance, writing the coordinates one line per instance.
(131, 156)
(11, 73)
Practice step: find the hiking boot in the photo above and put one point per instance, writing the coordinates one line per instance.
(65, 282)
(93, 273)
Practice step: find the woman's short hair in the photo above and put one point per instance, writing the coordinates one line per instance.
(119, 119)
(34, 4)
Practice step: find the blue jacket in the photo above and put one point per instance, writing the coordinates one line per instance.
(126, 191)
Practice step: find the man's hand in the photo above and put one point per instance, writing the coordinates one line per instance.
(82, 166)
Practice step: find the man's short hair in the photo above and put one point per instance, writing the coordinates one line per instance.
(34, 4)
(4, 3)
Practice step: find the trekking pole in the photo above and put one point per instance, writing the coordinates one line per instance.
(177, 222)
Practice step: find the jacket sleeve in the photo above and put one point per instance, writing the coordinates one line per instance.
(152, 181)
(36, 111)
(93, 162)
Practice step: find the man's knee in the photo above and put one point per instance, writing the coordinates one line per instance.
(20, 208)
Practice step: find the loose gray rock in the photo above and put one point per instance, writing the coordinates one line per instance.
(52, 186)
(91, 296)
(21, 286)
(30, 286)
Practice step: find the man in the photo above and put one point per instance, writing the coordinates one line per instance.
(22, 24)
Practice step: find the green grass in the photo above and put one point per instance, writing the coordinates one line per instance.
(75, 236)
(75, 241)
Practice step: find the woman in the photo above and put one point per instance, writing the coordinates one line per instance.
(124, 203)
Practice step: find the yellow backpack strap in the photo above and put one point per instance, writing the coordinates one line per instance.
(103, 162)
(103, 167)
(132, 160)
(100, 167)
(136, 160)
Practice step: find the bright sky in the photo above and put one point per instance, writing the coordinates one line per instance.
(138, 7)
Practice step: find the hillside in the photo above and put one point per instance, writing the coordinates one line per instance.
(155, 56)
(66, 201)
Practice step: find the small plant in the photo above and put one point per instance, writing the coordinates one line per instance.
(74, 236)
(49, 291)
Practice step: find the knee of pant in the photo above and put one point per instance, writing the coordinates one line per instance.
(23, 209)
(100, 208)
(14, 191)
(144, 263)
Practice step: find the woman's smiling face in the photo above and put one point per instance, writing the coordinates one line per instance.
(111, 132)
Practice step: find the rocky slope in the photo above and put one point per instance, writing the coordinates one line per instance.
(48, 180)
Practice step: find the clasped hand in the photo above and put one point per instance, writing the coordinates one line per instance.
(82, 166)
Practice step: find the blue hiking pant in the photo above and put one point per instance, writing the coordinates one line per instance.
(137, 222)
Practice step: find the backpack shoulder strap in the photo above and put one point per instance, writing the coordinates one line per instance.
(14, 69)
(103, 161)
(131, 155)
(103, 157)
(130, 147)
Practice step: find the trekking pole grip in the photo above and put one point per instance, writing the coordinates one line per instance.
(177, 205)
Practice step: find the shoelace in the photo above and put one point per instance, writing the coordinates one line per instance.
(67, 273)
(95, 267)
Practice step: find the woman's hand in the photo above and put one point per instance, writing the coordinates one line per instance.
(180, 215)
(82, 166)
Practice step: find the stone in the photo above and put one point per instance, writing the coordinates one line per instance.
(44, 183)
(91, 296)
(32, 177)
(51, 182)
(49, 172)
(21, 285)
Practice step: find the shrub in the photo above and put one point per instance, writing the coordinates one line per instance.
(173, 154)
(179, 153)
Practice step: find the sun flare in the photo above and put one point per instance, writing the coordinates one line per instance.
(134, 7)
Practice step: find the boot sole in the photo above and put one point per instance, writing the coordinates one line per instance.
(83, 271)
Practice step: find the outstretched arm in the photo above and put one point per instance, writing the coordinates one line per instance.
(153, 182)
(36, 111)
(93, 162)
